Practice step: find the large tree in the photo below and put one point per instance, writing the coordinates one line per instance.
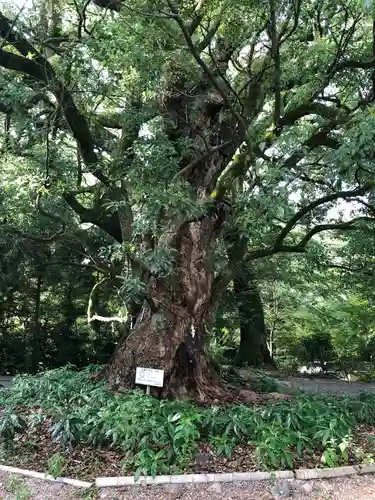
(198, 120)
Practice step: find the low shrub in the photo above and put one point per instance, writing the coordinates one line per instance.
(159, 436)
(264, 383)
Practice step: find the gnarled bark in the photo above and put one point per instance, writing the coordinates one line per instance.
(167, 340)
(171, 333)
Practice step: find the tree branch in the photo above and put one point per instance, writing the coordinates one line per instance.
(40, 69)
(365, 271)
(109, 121)
(195, 53)
(55, 218)
(275, 54)
(296, 6)
(189, 168)
(209, 35)
(309, 108)
(332, 227)
(320, 138)
(301, 246)
(353, 64)
(316, 203)
(109, 224)
(35, 237)
(91, 315)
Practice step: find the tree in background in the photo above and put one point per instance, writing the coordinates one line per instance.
(319, 308)
(43, 309)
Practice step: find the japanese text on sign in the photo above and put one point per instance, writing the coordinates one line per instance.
(149, 376)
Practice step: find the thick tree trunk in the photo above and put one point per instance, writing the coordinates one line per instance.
(172, 340)
(171, 330)
(253, 348)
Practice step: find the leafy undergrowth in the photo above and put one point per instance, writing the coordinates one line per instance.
(65, 423)
(256, 380)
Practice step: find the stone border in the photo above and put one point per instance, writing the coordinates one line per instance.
(105, 482)
(46, 477)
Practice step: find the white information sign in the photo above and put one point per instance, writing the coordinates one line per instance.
(149, 376)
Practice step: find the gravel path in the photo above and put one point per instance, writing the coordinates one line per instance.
(352, 488)
(5, 381)
(315, 384)
(327, 385)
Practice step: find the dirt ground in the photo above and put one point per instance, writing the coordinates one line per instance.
(352, 488)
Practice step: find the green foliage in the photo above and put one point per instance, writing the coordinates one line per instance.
(11, 423)
(264, 383)
(66, 430)
(62, 334)
(18, 488)
(171, 101)
(56, 465)
(163, 436)
(338, 330)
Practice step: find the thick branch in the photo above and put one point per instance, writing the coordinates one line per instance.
(353, 64)
(40, 69)
(309, 108)
(301, 246)
(109, 224)
(316, 203)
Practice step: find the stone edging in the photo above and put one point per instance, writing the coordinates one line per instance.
(46, 477)
(105, 482)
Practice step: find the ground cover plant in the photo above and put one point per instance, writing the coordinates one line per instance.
(66, 411)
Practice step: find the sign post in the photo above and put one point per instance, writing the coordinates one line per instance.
(149, 377)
